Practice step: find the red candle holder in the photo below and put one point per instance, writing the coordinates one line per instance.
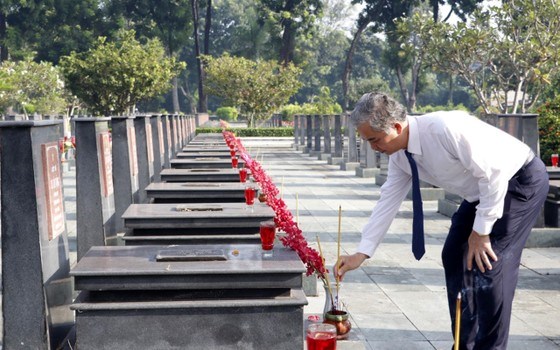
(234, 162)
(243, 175)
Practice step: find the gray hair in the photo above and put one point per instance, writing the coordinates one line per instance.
(379, 110)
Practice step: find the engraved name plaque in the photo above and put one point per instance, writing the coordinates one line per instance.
(106, 164)
(53, 189)
(187, 254)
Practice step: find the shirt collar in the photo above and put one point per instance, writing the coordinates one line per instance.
(413, 136)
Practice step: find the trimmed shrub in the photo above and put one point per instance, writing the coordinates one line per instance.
(227, 113)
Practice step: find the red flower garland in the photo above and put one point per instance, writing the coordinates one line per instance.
(284, 220)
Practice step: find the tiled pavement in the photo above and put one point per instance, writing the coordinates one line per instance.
(395, 302)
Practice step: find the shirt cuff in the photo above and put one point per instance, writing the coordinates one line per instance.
(483, 226)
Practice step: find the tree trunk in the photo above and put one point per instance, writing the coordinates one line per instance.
(3, 47)
(450, 89)
(403, 88)
(348, 65)
(202, 104)
(288, 43)
(207, 27)
(175, 95)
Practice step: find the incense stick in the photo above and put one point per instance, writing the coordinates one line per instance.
(326, 276)
(457, 322)
(338, 255)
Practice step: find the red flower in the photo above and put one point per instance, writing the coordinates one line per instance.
(284, 220)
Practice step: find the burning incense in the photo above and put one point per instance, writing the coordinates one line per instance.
(457, 321)
(338, 254)
(326, 275)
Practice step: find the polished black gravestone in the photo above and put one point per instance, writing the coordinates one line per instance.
(199, 218)
(203, 162)
(201, 192)
(552, 205)
(200, 175)
(95, 199)
(185, 297)
(225, 154)
(125, 166)
(202, 148)
(36, 286)
(145, 154)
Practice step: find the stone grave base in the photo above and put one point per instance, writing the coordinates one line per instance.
(175, 320)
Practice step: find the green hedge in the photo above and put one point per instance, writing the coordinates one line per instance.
(252, 132)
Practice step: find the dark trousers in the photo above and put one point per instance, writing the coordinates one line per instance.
(487, 297)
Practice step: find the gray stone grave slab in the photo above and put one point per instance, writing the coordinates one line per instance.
(185, 238)
(308, 134)
(247, 301)
(552, 205)
(200, 192)
(200, 175)
(199, 218)
(145, 154)
(125, 166)
(95, 199)
(36, 286)
(316, 135)
(336, 157)
(174, 134)
(167, 144)
(203, 162)
(158, 149)
(296, 131)
(225, 154)
(327, 149)
(202, 148)
(553, 173)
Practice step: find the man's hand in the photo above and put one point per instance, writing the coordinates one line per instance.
(348, 262)
(480, 249)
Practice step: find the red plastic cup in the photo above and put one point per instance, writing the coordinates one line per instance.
(321, 336)
(268, 232)
(234, 162)
(243, 175)
(554, 159)
(249, 195)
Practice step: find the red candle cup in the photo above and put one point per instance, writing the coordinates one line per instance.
(268, 233)
(249, 197)
(321, 336)
(554, 160)
(243, 175)
(232, 152)
(234, 162)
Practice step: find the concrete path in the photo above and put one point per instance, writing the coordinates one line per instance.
(395, 302)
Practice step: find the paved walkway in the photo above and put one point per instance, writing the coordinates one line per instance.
(395, 302)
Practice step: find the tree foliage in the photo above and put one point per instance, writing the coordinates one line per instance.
(113, 76)
(294, 18)
(257, 88)
(506, 50)
(31, 87)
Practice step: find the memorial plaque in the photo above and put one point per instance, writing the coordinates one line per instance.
(132, 151)
(175, 132)
(106, 163)
(169, 142)
(190, 254)
(53, 189)
(150, 144)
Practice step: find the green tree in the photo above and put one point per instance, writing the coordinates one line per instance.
(257, 88)
(508, 50)
(31, 87)
(294, 18)
(113, 76)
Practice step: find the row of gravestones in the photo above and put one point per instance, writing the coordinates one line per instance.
(156, 291)
(312, 135)
(36, 287)
(191, 274)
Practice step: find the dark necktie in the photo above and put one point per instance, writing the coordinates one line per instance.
(418, 216)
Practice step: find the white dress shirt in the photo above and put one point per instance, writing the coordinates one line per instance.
(459, 153)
